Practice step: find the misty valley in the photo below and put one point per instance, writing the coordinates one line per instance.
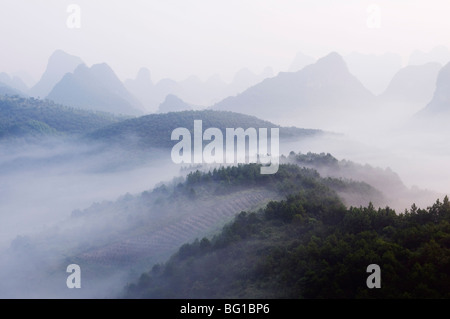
(99, 188)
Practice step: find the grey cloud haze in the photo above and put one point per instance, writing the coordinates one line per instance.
(177, 39)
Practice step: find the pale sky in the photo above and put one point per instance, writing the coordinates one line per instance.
(178, 38)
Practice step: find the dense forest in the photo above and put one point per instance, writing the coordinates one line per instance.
(155, 129)
(28, 117)
(393, 192)
(326, 164)
(31, 117)
(310, 245)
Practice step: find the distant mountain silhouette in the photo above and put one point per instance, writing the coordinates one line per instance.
(13, 82)
(58, 65)
(411, 88)
(172, 103)
(192, 90)
(374, 71)
(440, 103)
(195, 91)
(24, 77)
(440, 54)
(320, 94)
(9, 91)
(95, 88)
(245, 78)
(431, 121)
(143, 88)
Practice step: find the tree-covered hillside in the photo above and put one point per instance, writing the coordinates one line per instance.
(395, 193)
(125, 237)
(155, 129)
(21, 116)
(154, 223)
(311, 246)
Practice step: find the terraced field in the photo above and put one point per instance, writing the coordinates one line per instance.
(150, 244)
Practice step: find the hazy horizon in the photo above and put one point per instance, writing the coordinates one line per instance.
(175, 40)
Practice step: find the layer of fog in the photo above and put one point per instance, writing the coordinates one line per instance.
(42, 184)
(420, 156)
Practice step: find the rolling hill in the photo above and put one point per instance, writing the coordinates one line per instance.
(310, 246)
(154, 130)
(25, 117)
(115, 241)
(393, 191)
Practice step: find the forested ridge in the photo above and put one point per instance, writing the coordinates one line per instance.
(31, 117)
(173, 213)
(155, 129)
(310, 245)
(21, 116)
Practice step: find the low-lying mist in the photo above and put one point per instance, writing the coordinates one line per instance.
(418, 151)
(44, 183)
